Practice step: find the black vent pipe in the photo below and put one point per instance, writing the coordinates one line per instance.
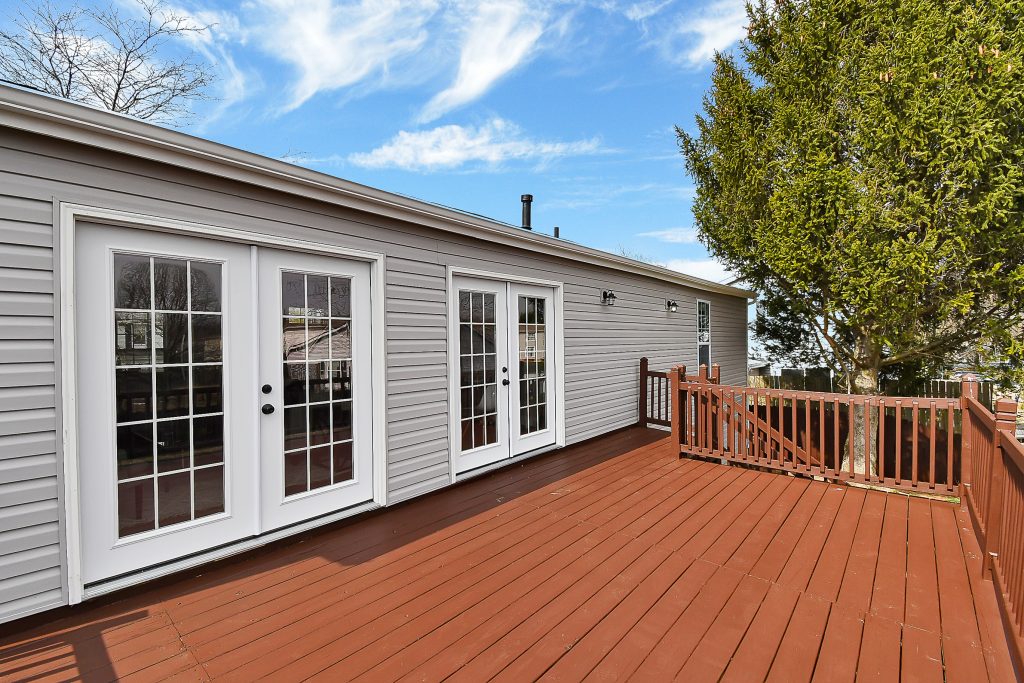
(527, 201)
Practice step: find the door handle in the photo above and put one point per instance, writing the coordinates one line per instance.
(267, 409)
(504, 369)
(505, 382)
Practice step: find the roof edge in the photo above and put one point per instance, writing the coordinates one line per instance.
(53, 117)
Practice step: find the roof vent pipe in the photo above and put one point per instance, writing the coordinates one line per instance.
(527, 201)
(556, 232)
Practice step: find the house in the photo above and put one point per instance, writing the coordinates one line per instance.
(203, 350)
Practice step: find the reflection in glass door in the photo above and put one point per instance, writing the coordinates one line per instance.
(481, 372)
(316, 396)
(478, 369)
(168, 368)
(533, 365)
(532, 406)
(316, 334)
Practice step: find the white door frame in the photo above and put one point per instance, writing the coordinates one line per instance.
(558, 330)
(69, 214)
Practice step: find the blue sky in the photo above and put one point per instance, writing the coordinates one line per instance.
(470, 104)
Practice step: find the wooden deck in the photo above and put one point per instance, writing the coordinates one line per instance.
(605, 561)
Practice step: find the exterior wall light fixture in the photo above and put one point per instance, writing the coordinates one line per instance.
(671, 306)
(608, 297)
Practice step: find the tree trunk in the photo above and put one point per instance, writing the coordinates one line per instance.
(865, 448)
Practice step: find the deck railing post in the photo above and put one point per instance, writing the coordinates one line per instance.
(643, 392)
(716, 374)
(675, 378)
(1006, 416)
(968, 387)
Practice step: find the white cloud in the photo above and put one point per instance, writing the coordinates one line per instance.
(497, 37)
(697, 36)
(707, 269)
(334, 45)
(639, 11)
(589, 192)
(448, 147)
(673, 235)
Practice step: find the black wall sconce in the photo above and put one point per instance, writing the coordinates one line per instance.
(671, 306)
(608, 297)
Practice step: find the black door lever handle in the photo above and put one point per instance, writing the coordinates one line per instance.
(505, 382)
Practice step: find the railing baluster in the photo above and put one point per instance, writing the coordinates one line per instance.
(882, 415)
(915, 431)
(837, 456)
(949, 447)
(851, 419)
(821, 436)
(868, 455)
(933, 451)
(899, 443)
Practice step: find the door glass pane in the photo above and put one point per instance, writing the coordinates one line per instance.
(209, 491)
(171, 338)
(316, 333)
(168, 370)
(132, 282)
(170, 284)
(132, 335)
(478, 374)
(532, 365)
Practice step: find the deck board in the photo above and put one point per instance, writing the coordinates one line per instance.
(609, 560)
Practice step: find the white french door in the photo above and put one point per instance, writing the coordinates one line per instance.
(504, 375)
(482, 372)
(532, 390)
(209, 412)
(316, 449)
(164, 362)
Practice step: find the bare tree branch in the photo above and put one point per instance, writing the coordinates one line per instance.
(127, 64)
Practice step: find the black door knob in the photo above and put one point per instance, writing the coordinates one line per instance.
(504, 369)
(267, 409)
(266, 389)
(505, 382)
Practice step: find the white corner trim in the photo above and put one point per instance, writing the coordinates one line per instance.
(70, 214)
(453, 363)
(69, 406)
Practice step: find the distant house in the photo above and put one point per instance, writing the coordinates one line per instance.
(203, 350)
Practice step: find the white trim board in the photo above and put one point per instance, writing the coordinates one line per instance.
(69, 215)
(453, 362)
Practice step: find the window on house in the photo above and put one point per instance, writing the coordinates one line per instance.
(704, 333)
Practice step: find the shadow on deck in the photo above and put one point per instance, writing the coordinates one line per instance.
(609, 560)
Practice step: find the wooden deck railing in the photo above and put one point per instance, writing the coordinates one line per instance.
(656, 394)
(994, 495)
(898, 442)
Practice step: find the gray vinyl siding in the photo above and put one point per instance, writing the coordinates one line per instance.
(602, 343)
(30, 550)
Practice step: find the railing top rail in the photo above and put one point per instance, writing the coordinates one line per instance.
(826, 396)
(1012, 448)
(657, 373)
(978, 410)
